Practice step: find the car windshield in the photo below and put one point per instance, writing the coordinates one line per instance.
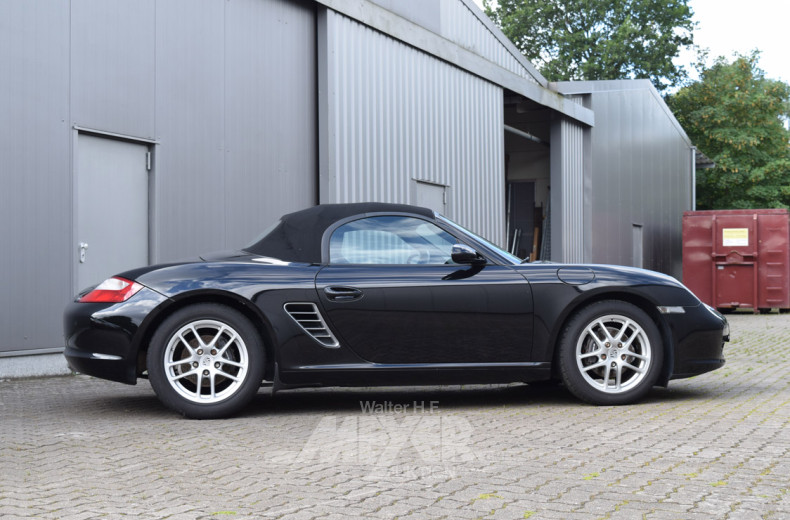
(511, 258)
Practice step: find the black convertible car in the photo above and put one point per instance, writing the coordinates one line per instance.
(383, 294)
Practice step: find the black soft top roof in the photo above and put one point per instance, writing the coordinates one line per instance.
(297, 237)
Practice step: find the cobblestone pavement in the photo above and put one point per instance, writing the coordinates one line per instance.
(715, 446)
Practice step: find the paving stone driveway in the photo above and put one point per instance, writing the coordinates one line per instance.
(716, 446)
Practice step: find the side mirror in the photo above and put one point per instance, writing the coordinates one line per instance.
(463, 254)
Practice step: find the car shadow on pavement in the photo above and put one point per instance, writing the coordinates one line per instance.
(138, 406)
(660, 395)
(407, 399)
(140, 401)
(345, 400)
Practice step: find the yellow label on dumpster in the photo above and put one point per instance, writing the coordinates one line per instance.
(735, 237)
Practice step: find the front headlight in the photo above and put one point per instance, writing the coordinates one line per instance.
(713, 311)
(719, 315)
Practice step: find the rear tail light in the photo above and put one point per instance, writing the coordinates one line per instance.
(112, 290)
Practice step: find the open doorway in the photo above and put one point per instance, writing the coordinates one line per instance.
(527, 176)
(524, 220)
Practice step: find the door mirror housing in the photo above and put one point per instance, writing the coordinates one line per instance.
(463, 254)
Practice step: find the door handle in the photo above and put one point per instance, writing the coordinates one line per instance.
(342, 294)
(83, 251)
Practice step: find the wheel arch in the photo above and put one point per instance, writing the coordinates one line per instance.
(231, 300)
(635, 299)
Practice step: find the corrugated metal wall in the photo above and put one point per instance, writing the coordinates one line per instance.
(227, 90)
(113, 57)
(236, 120)
(641, 175)
(224, 93)
(397, 115)
(460, 25)
(567, 191)
(35, 195)
(455, 21)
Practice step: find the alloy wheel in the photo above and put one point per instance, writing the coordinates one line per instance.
(206, 361)
(613, 353)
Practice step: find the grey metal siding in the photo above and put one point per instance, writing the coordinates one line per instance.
(235, 121)
(226, 91)
(460, 25)
(568, 188)
(641, 173)
(112, 65)
(456, 21)
(270, 113)
(35, 196)
(189, 162)
(396, 116)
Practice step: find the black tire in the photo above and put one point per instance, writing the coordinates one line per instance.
(628, 343)
(206, 361)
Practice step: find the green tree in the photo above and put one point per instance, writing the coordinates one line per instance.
(737, 117)
(599, 39)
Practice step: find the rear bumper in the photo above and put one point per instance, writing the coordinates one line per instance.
(94, 364)
(102, 339)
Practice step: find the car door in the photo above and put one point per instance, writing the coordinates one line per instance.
(394, 296)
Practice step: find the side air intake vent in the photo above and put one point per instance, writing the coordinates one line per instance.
(309, 318)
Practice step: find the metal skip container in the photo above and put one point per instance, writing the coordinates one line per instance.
(738, 258)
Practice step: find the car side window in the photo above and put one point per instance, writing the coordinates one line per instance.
(389, 240)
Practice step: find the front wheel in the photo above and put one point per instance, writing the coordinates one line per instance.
(206, 361)
(610, 353)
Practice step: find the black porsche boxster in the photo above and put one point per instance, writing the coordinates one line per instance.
(383, 294)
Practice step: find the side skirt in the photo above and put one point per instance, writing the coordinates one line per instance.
(371, 374)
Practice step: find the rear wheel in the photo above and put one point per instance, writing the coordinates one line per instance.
(610, 353)
(206, 361)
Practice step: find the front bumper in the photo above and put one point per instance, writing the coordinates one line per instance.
(700, 334)
(102, 339)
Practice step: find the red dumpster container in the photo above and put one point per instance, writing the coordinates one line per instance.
(738, 258)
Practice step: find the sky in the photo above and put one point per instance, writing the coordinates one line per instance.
(727, 26)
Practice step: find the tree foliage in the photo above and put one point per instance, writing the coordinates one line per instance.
(737, 117)
(599, 39)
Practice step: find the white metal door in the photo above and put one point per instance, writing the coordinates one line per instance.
(432, 196)
(112, 208)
